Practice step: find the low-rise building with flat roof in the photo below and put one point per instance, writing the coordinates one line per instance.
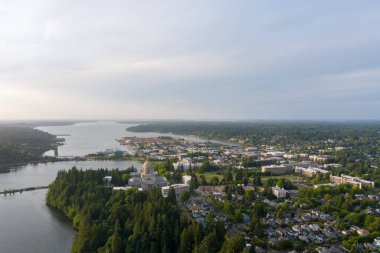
(356, 181)
(178, 189)
(309, 171)
(276, 169)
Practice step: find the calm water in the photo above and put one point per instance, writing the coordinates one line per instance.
(86, 138)
(27, 225)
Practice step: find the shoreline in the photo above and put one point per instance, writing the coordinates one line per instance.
(9, 167)
(221, 142)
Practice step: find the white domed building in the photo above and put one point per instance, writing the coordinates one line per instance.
(148, 179)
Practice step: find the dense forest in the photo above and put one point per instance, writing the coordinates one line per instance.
(131, 221)
(264, 133)
(23, 144)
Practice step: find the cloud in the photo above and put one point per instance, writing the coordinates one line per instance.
(196, 59)
(52, 31)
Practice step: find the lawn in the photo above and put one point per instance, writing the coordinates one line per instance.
(210, 175)
(289, 177)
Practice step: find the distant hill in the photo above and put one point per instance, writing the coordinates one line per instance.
(264, 132)
(38, 123)
(20, 145)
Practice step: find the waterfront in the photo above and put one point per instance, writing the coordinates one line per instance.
(85, 138)
(27, 224)
(91, 137)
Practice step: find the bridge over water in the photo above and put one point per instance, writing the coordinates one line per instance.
(12, 191)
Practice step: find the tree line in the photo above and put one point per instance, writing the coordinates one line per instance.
(20, 145)
(131, 221)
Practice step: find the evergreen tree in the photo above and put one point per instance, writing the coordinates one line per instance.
(209, 244)
(194, 184)
(233, 245)
(171, 196)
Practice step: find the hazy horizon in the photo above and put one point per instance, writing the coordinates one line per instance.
(40, 122)
(196, 60)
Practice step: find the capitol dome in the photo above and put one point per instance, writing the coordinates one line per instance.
(148, 179)
(148, 168)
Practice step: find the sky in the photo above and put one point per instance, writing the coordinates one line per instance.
(195, 59)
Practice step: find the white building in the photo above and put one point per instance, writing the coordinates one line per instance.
(107, 180)
(318, 158)
(309, 171)
(274, 154)
(356, 181)
(186, 179)
(376, 242)
(148, 179)
(279, 192)
(178, 189)
(184, 164)
(121, 188)
(291, 156)
(332, 165)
